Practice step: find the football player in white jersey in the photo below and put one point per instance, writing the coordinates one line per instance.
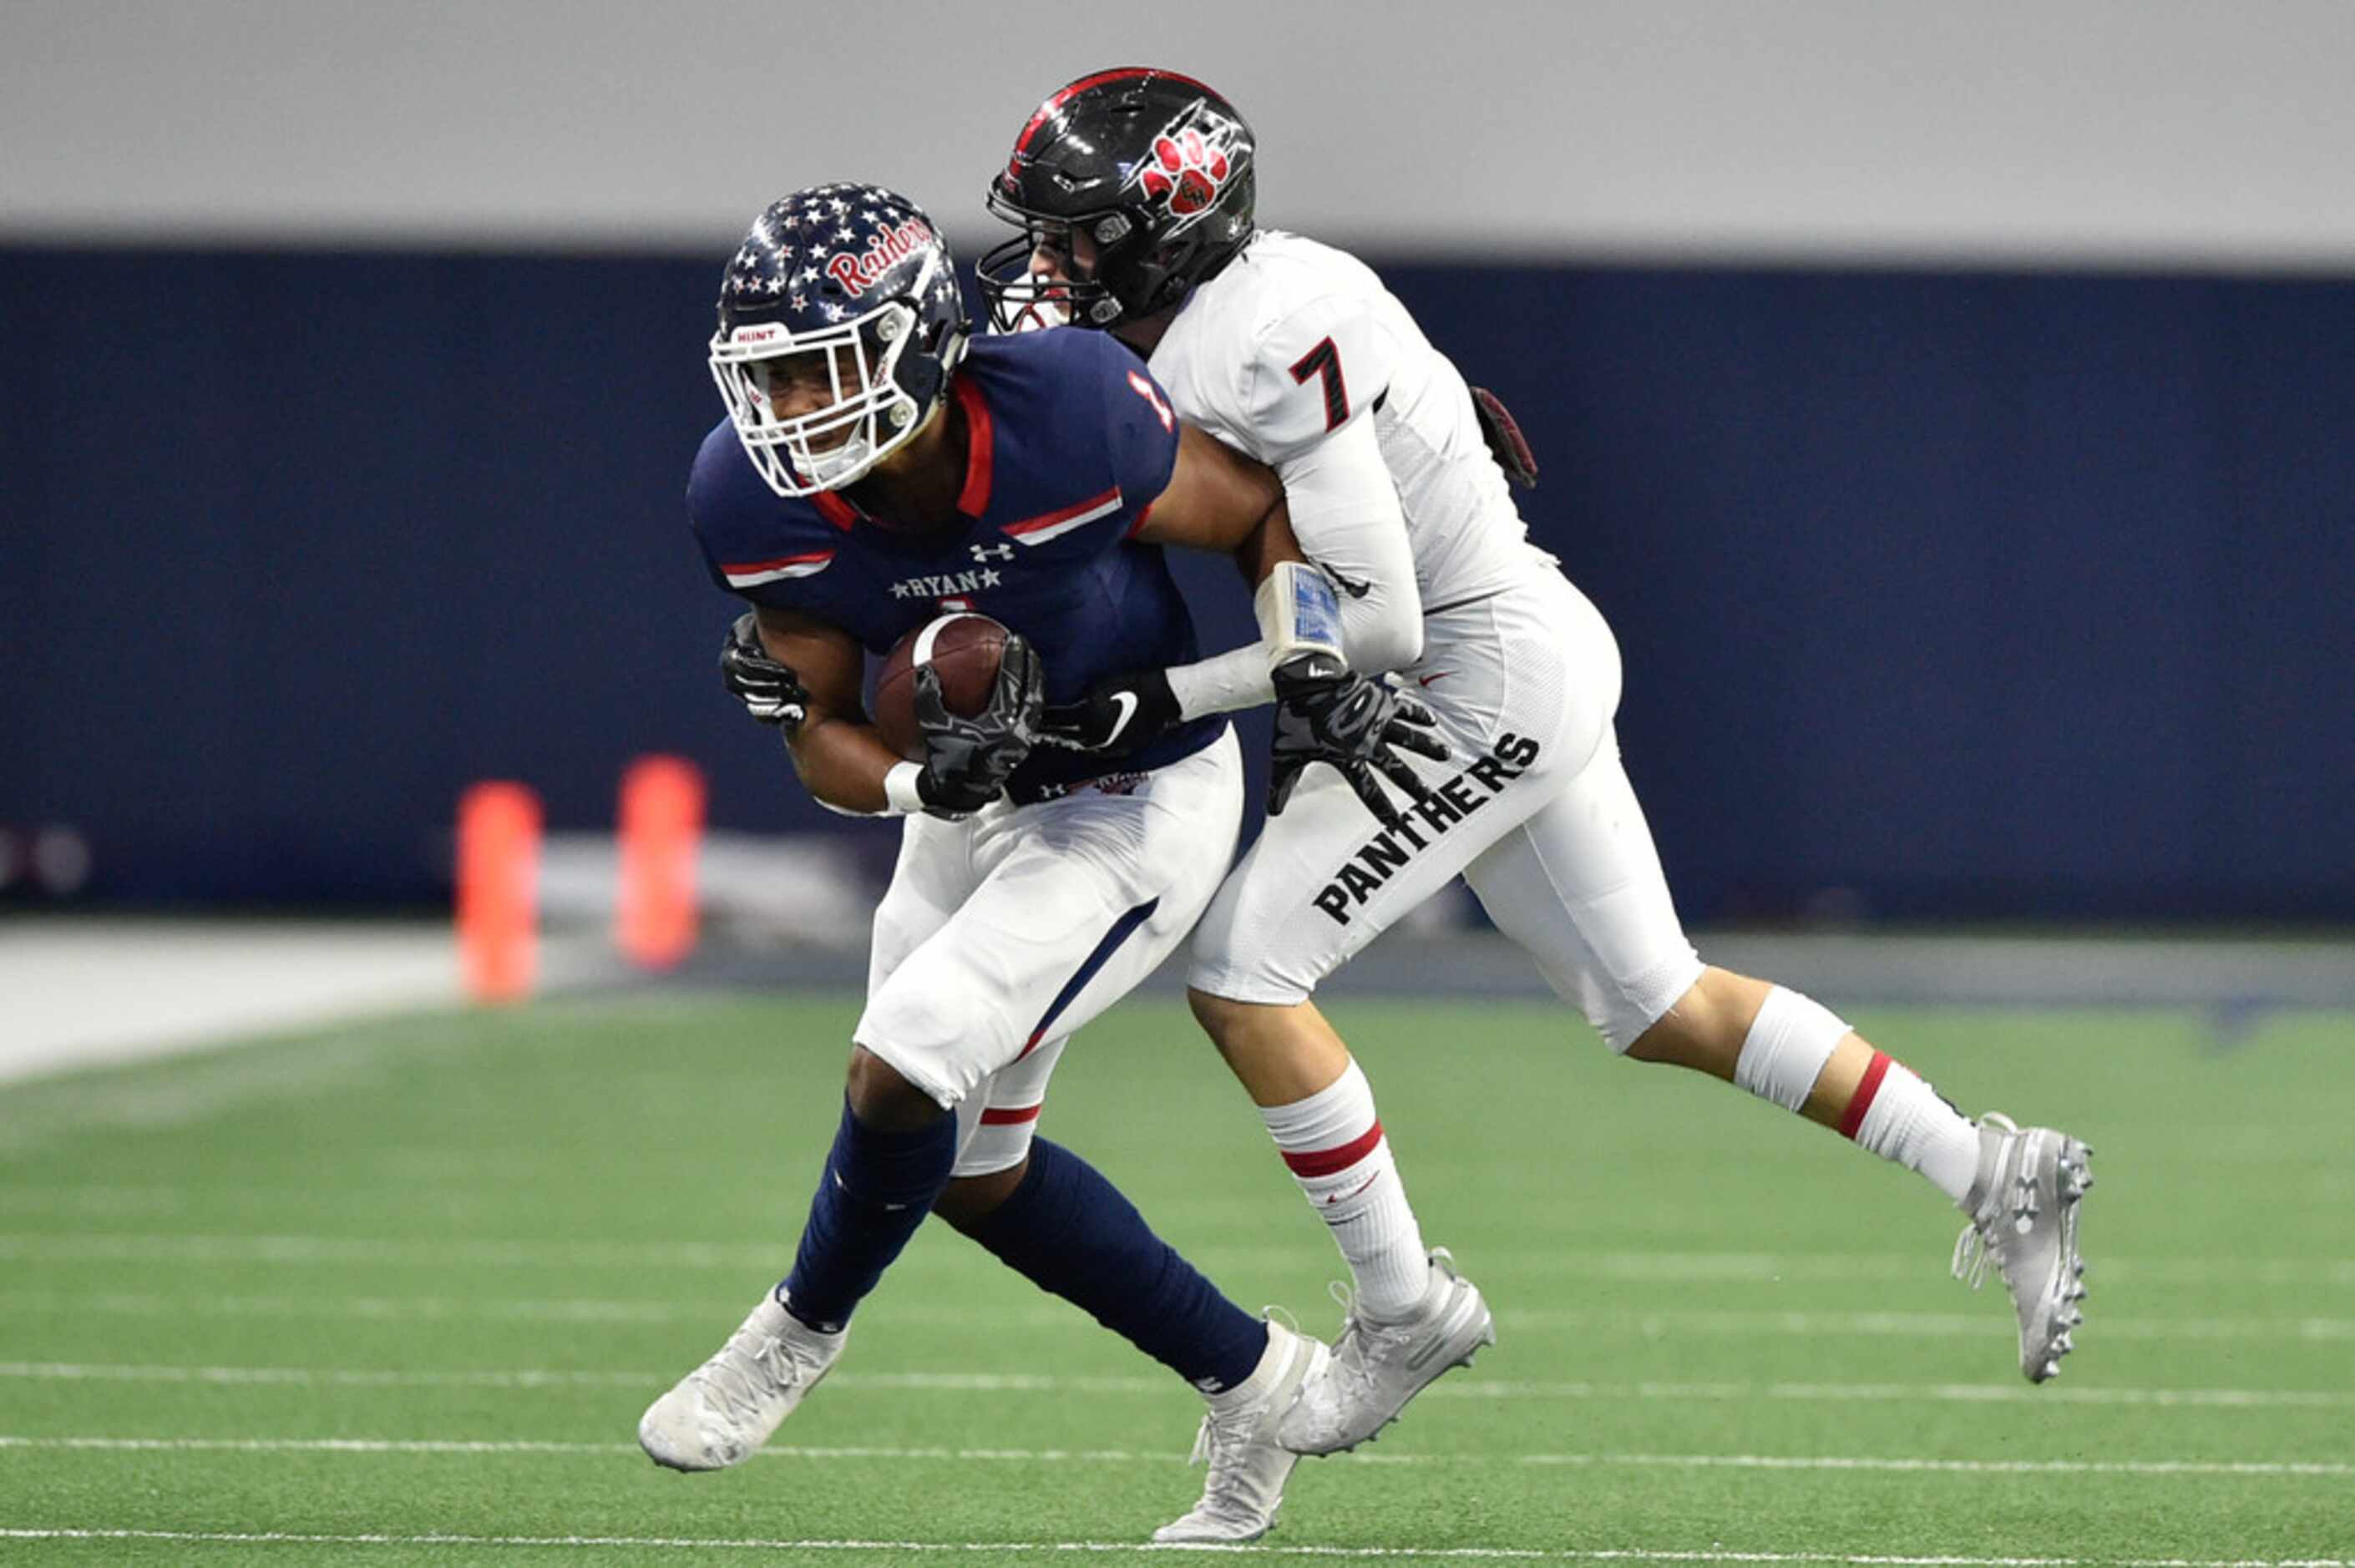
(1132, 190)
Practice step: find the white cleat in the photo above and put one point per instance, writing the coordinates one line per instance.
(1377, 1367)
(718, 1414)
(2023, 1209)
(1248, 1467)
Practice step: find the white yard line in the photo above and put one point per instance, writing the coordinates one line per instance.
(1025, 1383)
(1118, 1548)
(2325, 1470)
(1651, 1325)
(1679, 1267)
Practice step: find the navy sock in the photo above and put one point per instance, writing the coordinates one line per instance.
(1070, 1231)
(875, 1189)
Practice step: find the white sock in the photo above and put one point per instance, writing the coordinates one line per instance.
(1272, 1362)
(1333, 1142)
(1900, 1118)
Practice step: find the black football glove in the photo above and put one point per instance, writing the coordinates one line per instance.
(772, 692)
(1120, 714)
(968, 760)
(1328, 713)
(1506, 442)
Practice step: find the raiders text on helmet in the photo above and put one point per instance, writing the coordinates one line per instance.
(843, 298)
(1154, 167)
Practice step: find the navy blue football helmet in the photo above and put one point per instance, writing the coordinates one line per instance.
(1154, 167)
(840, 323)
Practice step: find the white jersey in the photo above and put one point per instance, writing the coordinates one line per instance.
(1292, 340)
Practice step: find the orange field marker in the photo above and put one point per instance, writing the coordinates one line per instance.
(661, 832)
(498, 890)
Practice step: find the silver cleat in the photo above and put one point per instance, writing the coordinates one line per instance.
(2023, 1208)
(721, 1413)
(1248, 1467)
(1377, 1367)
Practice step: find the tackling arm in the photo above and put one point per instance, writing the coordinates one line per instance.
(1220, 501)
(1345, 512)
(1216, 499)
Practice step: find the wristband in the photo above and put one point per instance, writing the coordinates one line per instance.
(1298, 612)
(899, 789)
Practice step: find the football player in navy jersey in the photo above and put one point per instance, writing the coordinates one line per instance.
(880, 470)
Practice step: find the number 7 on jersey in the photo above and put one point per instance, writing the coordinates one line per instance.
(1324, 362)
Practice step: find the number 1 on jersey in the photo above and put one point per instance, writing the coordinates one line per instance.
(1324, 362)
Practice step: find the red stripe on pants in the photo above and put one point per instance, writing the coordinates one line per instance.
(1009, 1116)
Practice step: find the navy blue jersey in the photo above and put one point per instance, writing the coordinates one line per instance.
(1071, 441)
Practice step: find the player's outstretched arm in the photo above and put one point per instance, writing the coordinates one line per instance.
(1216, 500)
(1219, 500)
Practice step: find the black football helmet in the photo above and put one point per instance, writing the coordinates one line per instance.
(843, 287)
(1154, 167)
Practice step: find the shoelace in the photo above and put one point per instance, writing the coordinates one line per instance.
(1352, 1362)
(1224, 1441)
(739, 1394)
(1972, 1254)
(1981, 1243)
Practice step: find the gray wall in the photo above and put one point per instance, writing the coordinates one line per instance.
(2146, 131)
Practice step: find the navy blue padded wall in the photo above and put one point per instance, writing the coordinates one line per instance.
(1976, 595)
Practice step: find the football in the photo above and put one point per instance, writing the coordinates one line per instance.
(964, 648)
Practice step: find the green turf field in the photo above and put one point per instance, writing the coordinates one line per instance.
(397, 1292)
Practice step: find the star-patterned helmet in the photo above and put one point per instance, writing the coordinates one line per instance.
(840, 323)
(1154, 167)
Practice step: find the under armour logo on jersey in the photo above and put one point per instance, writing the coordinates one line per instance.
(986, 553)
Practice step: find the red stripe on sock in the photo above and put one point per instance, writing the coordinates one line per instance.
(1009, 1116)
(1324, 1161)
(1861, 1101)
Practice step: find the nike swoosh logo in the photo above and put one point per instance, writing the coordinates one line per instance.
(1426, 679)
(1127, 703)
(1347, 585)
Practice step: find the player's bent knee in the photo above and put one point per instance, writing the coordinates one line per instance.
(967, 1201)
(1217, 1015)
(882, 1098)
(1705, 1027)
(1650, 1017)
(1244, 1030)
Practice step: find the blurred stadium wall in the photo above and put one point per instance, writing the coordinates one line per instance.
(1951, 406)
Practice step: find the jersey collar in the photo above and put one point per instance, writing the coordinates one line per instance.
(981, 448)
(835, 509)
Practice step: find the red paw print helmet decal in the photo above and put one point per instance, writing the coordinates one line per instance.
(1191, 161)
(1187, 172)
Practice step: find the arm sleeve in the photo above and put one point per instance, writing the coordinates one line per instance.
(1346, 513)
(1310, 394)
